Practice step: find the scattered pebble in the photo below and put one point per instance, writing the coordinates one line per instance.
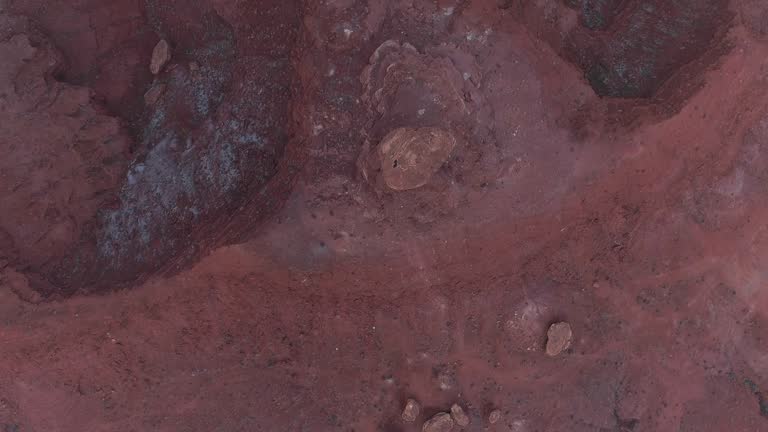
(411, 411)
(441, 422)
(558, 338)
(494, 416)
(459, 416)
(161, 55)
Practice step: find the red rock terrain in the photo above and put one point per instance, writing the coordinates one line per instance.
(317, 210)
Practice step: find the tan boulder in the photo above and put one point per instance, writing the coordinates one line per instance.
(411, 156)
(559, 338)
(161, 55)
(441, 422)
(411, 411)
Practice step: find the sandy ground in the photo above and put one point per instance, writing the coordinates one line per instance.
(225, 257)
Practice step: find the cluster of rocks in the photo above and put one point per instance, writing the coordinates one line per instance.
(559, 337)
(443, 421)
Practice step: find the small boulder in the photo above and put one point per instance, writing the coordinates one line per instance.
(459, 416)
(559, 338)
(441, 422)
(161, 55)
(411, 156)
(411, 411)
(494, 416)
(153, 94)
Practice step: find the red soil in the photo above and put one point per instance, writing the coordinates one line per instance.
(218, 261)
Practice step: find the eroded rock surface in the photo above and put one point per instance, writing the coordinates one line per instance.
(64, 156)
(207, 149)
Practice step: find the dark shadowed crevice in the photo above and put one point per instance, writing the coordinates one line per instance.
(631, 48)
(205, 151)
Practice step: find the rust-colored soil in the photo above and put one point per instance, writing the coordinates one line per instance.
(218, 247)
